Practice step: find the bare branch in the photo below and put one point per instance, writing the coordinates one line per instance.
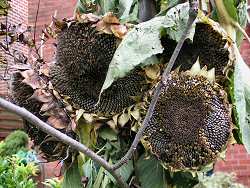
(37, 11)
(192, 15)
(62, 137)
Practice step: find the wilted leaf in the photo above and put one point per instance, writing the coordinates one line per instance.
(87, 133)
(139, 44)
(126, 5)
(88, 117)
(90, 17)
(79, 114)
(57, 122)
(32, 79)
(180, 15)
(136, 114)
(44, 69)
(153, 71)
(123, 119)
(119, 30)
(48, 106)
(242, 98)
(42, 96)
(104, 27)
(110, 18)
(59, 24)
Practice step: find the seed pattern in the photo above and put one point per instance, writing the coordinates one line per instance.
(190, 124)
(83, 57)
(21, 94)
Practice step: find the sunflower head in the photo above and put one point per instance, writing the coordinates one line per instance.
(191, 123)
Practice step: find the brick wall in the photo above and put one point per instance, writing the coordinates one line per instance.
(237, 160)
(18, 14)
(47, 9)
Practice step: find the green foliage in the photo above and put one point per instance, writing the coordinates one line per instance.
(13, 173)
(72, 177)
(151, 173)
(4, 6)
(17, 140)
(53, 183)
(143, 42)
(126, 10)
(241, 95)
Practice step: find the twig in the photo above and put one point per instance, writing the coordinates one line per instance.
(192, 15)
(43, 36)
(62, 137)
(37, 11)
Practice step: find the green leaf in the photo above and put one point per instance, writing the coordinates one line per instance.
(129, 10)
(89, 170)
(151, 173)
(139, 44)
(242, 19)
(108, 5)
(125, 6)
(143, 42)
(231, 8)
(108, 134)
(180, 15)
(242, 98)
(72, 178)
(125, 171)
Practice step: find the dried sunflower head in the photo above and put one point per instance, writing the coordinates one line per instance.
(83, 57)
(191, 122)
(51, 148)
(210, 43)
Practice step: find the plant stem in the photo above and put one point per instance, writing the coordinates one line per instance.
(62, 137)
(192, 16)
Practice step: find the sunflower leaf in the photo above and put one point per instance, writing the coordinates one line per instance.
(242, 98)
(151, 173)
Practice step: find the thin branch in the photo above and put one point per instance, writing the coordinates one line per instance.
(37, 11)
(62, 137)
(192, 16)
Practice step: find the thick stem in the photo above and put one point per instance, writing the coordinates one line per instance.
(192, 16)
(147, 10)
(62, 137)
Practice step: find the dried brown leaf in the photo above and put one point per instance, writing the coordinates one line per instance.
(103, 27)
(57, 122)
(123, 119)
(32, 79)
(153, 71)
(48, 106)
(119, 30)
(59, 24)
(88, 18)
(44, 69)
(110, 18)
(42, 96)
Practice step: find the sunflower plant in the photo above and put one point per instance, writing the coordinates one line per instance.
(110, 65)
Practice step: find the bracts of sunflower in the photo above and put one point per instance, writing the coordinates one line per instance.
(191, 124)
